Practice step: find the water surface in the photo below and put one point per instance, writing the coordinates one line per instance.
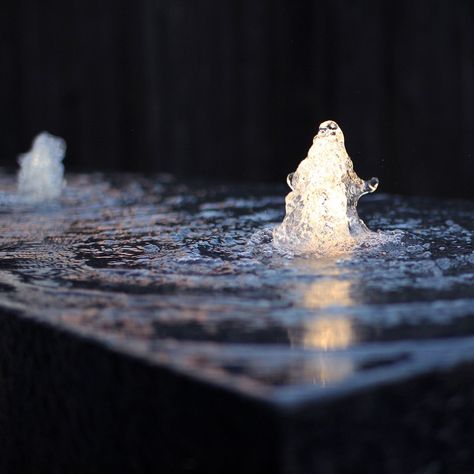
(187, 275)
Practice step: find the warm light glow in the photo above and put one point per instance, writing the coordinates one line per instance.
(326, 369)
(325, 332)
(324, 293)
(321, 215)
(328, 333)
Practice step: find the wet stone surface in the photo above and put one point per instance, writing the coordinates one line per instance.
(186, 276)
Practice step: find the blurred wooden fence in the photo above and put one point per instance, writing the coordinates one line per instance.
(236, 88)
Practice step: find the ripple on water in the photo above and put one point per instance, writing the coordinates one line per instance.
(164, 263)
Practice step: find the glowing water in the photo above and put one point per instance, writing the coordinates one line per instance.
(41, 174)
(321, 215)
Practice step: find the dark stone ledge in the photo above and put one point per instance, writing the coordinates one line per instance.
(69, 404)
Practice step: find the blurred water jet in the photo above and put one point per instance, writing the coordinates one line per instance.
(41, 175)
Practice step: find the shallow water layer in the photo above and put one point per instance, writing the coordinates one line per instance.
(187, 275)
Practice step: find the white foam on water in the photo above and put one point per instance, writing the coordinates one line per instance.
(41, 175)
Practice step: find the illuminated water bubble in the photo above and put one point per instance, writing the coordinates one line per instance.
(321, 215)
(41, 175)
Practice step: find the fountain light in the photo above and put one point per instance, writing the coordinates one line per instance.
(321, 215)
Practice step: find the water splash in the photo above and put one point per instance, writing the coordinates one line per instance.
(321, 215)
(41, 176)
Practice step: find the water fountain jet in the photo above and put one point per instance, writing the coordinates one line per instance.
(321, 215)
(41, 175)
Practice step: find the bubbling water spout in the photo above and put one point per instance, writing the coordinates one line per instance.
(41, 176)
(321, 215)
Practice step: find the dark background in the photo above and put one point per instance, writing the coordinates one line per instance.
(235, 89)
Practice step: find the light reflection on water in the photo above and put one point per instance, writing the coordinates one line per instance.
(322, 330)
(170, 265)
(328, 333)
(328, 293)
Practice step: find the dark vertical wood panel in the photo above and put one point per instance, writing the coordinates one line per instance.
(236, 89)
(256, 73)
(11, 82)
(357, 84)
